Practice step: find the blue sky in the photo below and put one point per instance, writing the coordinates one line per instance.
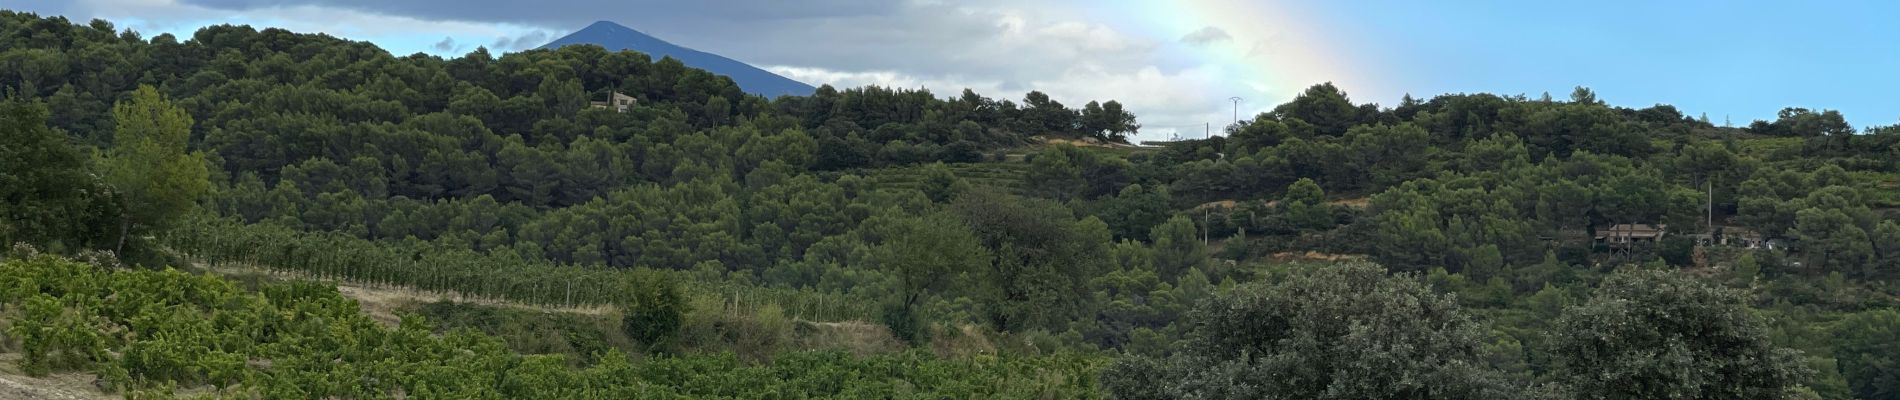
(1176, 62)
(1744, 59)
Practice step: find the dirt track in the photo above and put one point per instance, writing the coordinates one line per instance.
(54, 387)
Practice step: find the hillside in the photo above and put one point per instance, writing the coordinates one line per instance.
(1461, 246)
(616, 37)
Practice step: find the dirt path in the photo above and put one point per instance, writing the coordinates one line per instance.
(12, 389)
(1095, 143)
(68, 386)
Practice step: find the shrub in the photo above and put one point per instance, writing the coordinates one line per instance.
(904, 324)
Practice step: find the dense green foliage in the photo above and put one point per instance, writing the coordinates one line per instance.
(49, 199)
(1868, 342)
(1344, 332)
(706, 220)
(1656, 335)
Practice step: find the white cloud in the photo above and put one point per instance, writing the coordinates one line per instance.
(1183, 101)
(1205, 36)
(529, 40)
(446, 45)
(1090, 37)
(940, 86)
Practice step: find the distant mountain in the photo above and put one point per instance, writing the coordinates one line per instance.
(751, 79)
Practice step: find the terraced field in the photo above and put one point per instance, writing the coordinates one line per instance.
(1882, 189)
(1007, 176)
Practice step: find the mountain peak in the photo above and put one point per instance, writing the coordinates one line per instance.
(607, 25)
(616, 37)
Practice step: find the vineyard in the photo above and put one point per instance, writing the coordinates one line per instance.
(160, 334)
(468, 274)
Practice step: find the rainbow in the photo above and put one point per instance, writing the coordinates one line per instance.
(1275, 48)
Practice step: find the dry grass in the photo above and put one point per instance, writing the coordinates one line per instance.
(1361, 202)
(1221, 204)
(961, 341)
(858, 338)
(1316, 256)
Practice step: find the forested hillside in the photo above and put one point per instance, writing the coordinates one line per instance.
(1465, 246)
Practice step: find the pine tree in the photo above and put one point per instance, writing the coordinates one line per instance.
(149, 165)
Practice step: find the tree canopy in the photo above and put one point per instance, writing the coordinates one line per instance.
(1340, 332)
(1653, 334)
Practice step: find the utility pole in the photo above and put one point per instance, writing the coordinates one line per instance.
(1207, 231)
(1236, 100)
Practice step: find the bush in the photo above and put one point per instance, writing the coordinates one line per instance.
(1663, 334)
(761, 334)
(904, 324)
(1341, 331)
(653, 317)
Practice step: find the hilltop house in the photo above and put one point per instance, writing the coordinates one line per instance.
(618, 102)
(1624, 239)
(1624, 234)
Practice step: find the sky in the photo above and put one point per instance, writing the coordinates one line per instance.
(1177, 64)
